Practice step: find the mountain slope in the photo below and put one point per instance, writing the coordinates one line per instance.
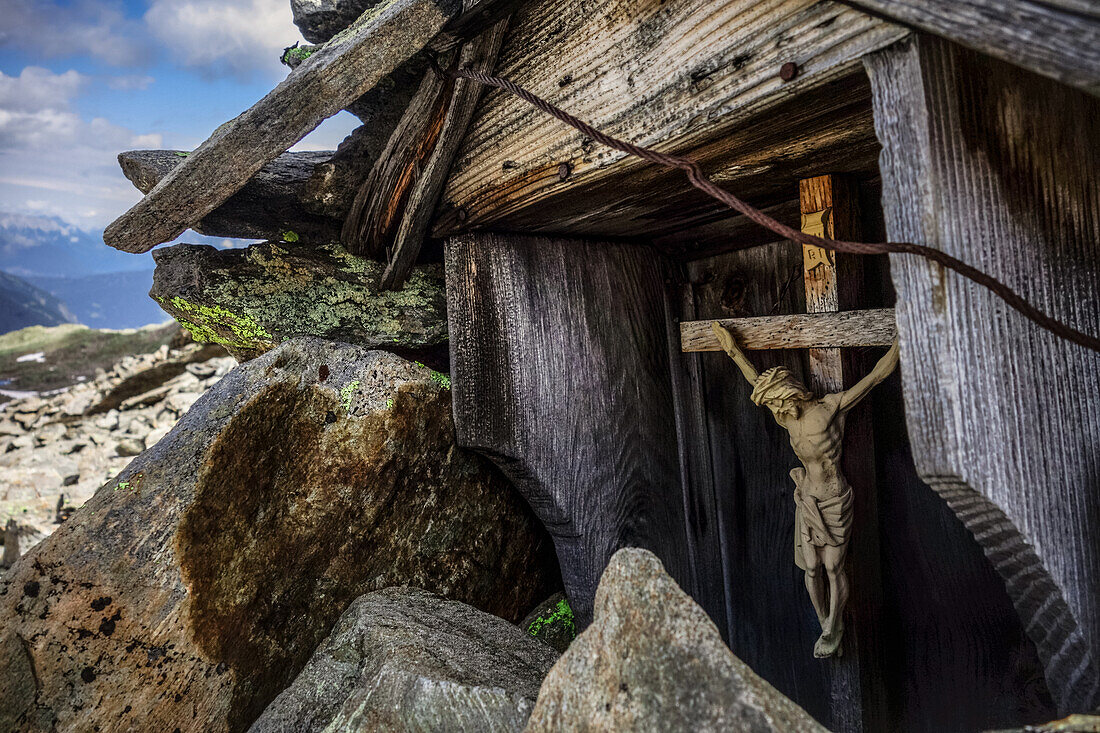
(22, 305)
(110, 300)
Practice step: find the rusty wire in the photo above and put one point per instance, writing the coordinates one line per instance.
(699, 179)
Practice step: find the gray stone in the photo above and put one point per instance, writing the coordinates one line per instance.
(196, 584)
(250, 300)
(403, 659)
(320, 20)
(129, 447)
(652, 660)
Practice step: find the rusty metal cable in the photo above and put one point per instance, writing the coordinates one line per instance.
(699, 179)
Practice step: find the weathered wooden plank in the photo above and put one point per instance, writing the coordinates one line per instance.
(829, 205)
(689, 76)
(479, 54)
(559, 358)
(375, 213)
(1060, 40)
(997, 166)
(872, 327)
(346, 67)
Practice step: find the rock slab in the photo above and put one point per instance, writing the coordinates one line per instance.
(249, 300)
(403, 659)
(191, 589)
(653, 660)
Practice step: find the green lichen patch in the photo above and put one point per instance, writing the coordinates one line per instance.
(297, 53)
(215, 324)
(561, 616)
(347, 393)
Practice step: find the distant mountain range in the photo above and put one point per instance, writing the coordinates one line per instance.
(96, 285)
(22, 305)
(107, 300)
(46, 246)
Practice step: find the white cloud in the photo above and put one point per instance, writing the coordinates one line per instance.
(37, 89)
(51, 155)
(130, 82)
(225, 37)
(98, 28)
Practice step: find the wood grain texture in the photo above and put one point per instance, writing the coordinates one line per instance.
(346, 67)
(687, 76)
(559, 359)
(997, 166)
(479, 54)
(873, 327)
(829, 205)
(1060, 40)
(375, 213)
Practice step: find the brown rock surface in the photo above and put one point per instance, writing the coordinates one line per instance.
(190, 590)
(652, 660)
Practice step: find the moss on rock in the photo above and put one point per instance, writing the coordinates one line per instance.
(252, 299)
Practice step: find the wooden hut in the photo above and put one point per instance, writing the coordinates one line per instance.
(581, 281)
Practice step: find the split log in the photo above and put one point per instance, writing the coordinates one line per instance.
(479, 54)
(692, 77)
(800, 331)
(1056, 38)
(376, 211)
(345, 68)
(393, 209)
(997, 166)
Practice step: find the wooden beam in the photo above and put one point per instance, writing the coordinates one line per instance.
(846, 329)
(830, 208)
(345, 68)
(479, 54)
(690, 76)
(1056, 38)
(559, 362)
(997, 166)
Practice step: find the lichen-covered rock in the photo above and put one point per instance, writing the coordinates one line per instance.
(320, 20)
(190, 590)
(249, 300)
(403, 659)
(652, 660)
(552, 622)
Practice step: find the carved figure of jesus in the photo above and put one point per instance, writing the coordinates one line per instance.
(822, 496)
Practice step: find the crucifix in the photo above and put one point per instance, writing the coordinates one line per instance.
(815, 417)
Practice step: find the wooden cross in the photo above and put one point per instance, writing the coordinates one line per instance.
(833, 282)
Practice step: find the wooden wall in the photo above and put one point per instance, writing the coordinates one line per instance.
(998, 167)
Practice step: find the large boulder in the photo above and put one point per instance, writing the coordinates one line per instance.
(249, 300)
(190, 590)
(653, 660)
(403, 659)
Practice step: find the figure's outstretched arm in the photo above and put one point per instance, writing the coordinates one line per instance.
(729, 345)
(849, 398)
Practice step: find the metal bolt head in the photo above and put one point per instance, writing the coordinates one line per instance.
(461, 214)
(564, 171)
(788, 71)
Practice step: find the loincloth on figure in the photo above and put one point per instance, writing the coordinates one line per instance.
(819, 522)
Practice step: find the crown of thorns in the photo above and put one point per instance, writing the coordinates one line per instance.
(778, 383)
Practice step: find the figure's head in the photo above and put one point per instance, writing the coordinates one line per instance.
(779, 391)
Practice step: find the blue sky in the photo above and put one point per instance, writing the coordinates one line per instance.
(82, 80)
